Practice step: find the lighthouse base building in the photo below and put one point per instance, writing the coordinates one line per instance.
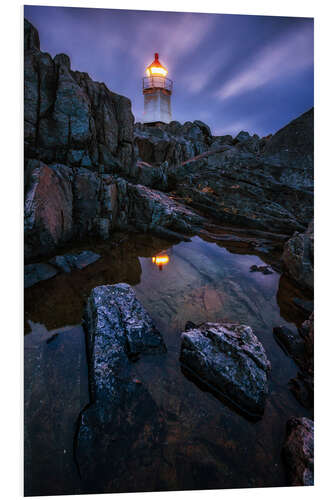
(157, 106)
(157, 90)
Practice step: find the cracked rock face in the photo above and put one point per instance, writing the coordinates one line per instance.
(122, 421)
(230, 359)
(298, 451)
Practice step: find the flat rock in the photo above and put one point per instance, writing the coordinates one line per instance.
(230, 359)
(298, 451)
(68, 262)
(33, 273)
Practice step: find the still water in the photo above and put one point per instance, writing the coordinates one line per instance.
(207, 444)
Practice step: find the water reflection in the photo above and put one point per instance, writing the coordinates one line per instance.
(208, 444)
(161, 260)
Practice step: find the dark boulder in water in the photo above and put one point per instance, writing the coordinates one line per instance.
(230, 359)
(123, 421)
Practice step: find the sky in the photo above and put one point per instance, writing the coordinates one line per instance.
(233, 72)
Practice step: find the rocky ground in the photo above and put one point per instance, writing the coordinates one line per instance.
(91, 172)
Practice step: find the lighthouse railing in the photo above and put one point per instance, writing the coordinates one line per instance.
(149, 82)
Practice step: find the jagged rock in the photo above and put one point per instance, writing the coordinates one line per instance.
(293, 144)
(152, 210)
(68, 262)
(33, 273)
(298, 255)
(231, 360)
(122, 422)
(173, 142)
(298, 451)
(69, 118)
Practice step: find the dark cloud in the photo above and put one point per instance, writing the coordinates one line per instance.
(233, 72)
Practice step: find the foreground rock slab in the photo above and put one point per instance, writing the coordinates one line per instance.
(230, 359)
(122, 422)
(298, 451)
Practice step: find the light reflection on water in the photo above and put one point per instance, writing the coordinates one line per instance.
(208, 444)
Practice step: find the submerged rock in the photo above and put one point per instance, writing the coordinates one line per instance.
(122, 423)
(298, 451)
(261, 269)
(68, 262)
(33, 273)
(230, 359)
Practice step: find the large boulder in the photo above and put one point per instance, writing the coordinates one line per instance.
(298, 451)
(122, 423)
(230, 359)
(298, 257)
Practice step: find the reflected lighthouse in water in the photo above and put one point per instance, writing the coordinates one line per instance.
(157, 90)
(161, 260)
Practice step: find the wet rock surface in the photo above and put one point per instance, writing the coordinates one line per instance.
(231, 359)
(298, 451)
(68, 262)
(122, 422)
(34, 273)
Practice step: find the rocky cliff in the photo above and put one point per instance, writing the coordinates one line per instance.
(89, 169)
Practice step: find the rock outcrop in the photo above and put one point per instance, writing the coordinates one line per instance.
(76, 130)
(298, 451)
(82, 148)
(298, 257)
(230, 359)
(68, 117)
(122, 420)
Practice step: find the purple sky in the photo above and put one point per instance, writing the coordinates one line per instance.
(233, 72)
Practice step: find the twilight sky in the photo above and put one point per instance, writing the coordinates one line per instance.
(233, 72)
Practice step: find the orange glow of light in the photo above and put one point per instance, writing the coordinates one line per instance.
(152, 71)
(160, 260)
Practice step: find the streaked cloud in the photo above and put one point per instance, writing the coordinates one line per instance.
(283, 57)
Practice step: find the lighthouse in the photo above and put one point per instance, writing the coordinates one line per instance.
(157, 90)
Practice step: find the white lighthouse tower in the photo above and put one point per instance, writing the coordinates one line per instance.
(157, 90)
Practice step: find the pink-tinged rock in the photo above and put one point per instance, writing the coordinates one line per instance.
(48, 208)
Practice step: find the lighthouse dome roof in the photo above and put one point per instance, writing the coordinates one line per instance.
(156, 68)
